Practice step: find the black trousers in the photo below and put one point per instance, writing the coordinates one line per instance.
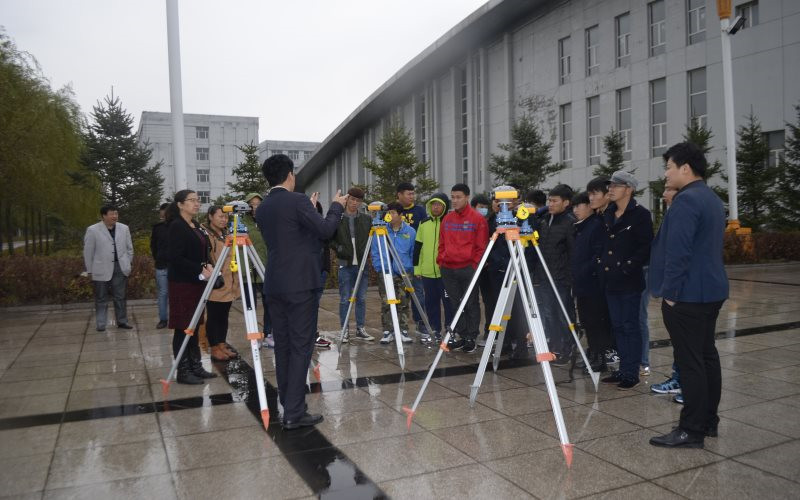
(456, 282)
(593, 315)
(691, 328)
(192, 348)
(217, 321)
(293, 329)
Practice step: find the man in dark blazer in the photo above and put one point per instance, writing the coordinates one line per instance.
(687, 272)
(293, 232)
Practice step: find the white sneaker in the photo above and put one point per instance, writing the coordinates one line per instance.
(268, 342)
(346, 337)
(405, 338)
(361, 334)
(387, 337)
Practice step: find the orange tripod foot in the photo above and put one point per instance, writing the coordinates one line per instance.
(567, 449)
(265, 418)
(164, 388)
(410, 414)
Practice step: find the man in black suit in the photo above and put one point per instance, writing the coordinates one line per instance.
(293, 232)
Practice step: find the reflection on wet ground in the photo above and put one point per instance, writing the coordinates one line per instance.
(82, 414)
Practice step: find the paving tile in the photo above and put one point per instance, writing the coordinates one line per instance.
(109, 345)
(205, 419)
(583, 391)
(108, 431)
(106, 463)
(545, 474)
(451, 412)
(736, 346)
(157, 487)
(519, 401)
(780, 460)
(272, 476)
(772, 416)
(36, 360)
(751, 363)
(219, 447)
(788, 374)
(32, 405)
(50, 349)
(771, 340)
(112, 396)
(110, 354)
(728, 479)
(495, 439)
(404, 456)
(790, 401)
(636, 492)
(468, 481)
(366, 425)
(109, 366)
(40, 373)
(107, 380)
(343, 401)
(761, 387)
(35, 387)
(582, 422)
(28, 441)
(644, 459)
(27, 474)
(405, 393)
(646, 410)
(491, 382)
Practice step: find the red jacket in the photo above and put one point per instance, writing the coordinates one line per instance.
(462, 239)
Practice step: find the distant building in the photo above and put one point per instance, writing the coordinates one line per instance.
(211, 149)
(645, 68)
(298, 151)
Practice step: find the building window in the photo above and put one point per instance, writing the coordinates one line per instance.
(775, 143)
(564, 60)
(201, 154)
(276, 152)
(749, 11)
(656, 14)
(201, 132)
(593, 129)
(464, 129)
(624, 120)
(658, 116)
(623, 29)
(204, 196)
(423, 130)
(566, 134)
(203, 174)
(294, 154)
(696, 20)
(697, 97)
(592, 41)
(478, 121)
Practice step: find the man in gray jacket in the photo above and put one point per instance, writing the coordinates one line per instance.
(107, 255)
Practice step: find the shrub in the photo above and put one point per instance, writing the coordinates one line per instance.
(766, 247)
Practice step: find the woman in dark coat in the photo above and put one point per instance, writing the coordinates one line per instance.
(187, 273)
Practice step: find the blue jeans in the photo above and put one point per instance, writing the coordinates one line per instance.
(161, 286)
(419, 291)
(555, 327)
(623, 309)
(435, 298)
(347, 280)
(643, 321)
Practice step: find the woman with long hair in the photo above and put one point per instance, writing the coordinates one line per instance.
(187, 274)
(219, 302)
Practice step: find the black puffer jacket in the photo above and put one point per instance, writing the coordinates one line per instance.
(556, 239)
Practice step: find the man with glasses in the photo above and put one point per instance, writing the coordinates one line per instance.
(629, 231)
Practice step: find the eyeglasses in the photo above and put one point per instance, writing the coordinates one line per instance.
(192, 200)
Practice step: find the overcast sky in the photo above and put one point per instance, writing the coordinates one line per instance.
(300, 66)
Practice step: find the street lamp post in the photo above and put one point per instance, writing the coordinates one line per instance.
(176, 95)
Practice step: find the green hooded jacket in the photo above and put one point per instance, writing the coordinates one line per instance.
(426, 246)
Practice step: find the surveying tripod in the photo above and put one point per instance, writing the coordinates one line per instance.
(379, 235)
(237, 238)
(517, 280)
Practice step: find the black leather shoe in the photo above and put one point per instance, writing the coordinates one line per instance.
(99, 329)
(161, 324)
(125, 326)
(711, 430)
(197, 369)
(678, 438)
(306, 420)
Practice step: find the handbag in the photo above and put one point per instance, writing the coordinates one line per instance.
(219, 283)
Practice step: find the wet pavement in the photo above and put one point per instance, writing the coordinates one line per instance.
(82, 415)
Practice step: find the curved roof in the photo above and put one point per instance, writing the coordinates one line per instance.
(483, 25)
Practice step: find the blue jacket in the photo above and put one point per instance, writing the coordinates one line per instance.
(686, 261)
(413, 215)
(590, 234)
(627, 248)
(403, 240)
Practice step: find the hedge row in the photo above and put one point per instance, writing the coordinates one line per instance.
(28, 280)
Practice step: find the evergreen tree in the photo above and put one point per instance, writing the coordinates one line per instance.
(115, 156)
(755, 178)
(701, 137)
(249, 177)
(396, 162)
(787, 194)
(527, 163)
(612, 144)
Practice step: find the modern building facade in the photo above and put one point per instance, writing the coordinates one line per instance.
(582, 67)
(211, 149)
(298, 151)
